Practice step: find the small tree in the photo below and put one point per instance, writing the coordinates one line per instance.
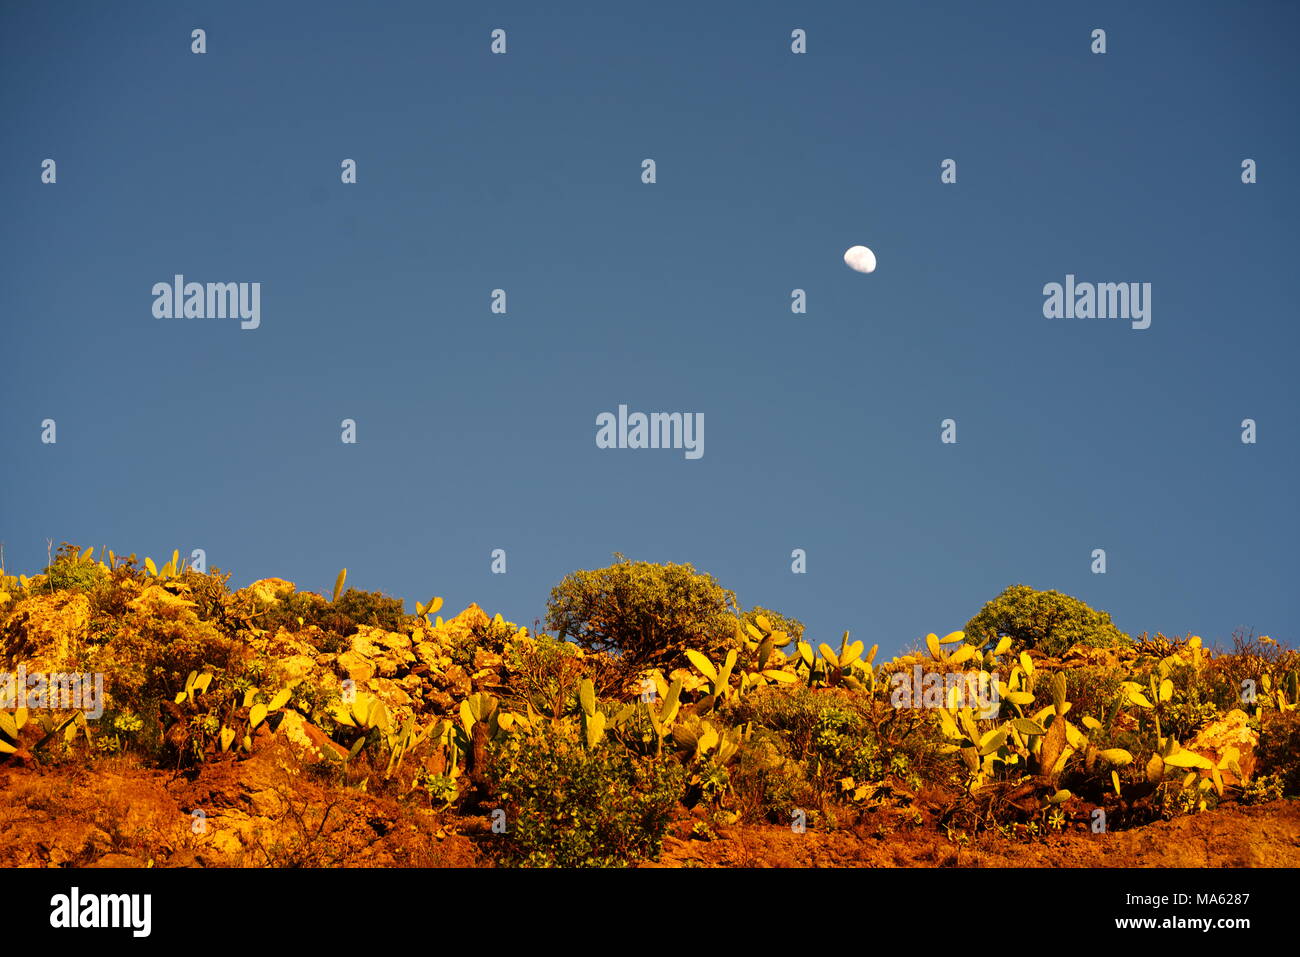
(646, 613)
(1049, 621)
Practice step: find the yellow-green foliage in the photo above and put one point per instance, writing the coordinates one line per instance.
(743, 713)
(571, 805)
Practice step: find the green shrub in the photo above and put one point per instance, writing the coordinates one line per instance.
(356, 608)
(845, 744)
(545, 673)
(1091, 690)
(209, 591)
(310, 607)
(1048, 621)
(1182, 718)
(69, 570)
(570, 807)
(1278, 752)
(484, 634)
(342, 618)
(767, 782)
(146, 654)
(1249, 661)
(791, 711)
(647, 614)
(1263, 788)
(834, 734)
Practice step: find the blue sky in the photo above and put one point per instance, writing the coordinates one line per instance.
(523, 172)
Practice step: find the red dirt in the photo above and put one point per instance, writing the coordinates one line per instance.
(1263, 836)
(267, 811)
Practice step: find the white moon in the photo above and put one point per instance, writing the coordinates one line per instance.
(860, 259)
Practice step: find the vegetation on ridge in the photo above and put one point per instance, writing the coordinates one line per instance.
(659, 700)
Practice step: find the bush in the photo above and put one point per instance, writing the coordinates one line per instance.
(833, 732)
(645, 613)
(1048, 621)
(69, 570)
(1091, 689)
(210, 592)
(791, 711)
(545, 674)
(343, 617)
(1279, 750)
(569, 807)
(1249, 661)
(768, 784)
(1199, 698)
(146, 654)
(845, 744)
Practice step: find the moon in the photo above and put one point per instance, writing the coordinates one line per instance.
(860, 259)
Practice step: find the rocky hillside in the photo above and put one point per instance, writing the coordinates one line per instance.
(166, 719)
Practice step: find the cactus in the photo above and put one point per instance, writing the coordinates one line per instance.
(1169, 762)
(172, 569)
(701, 738)
(718, 677)
(405, 740)
(431, 608)
(843, 667)
(593, 719)
(663, 716)
(195, 684)
(10, 725)
(1281, 689)
(259, 711)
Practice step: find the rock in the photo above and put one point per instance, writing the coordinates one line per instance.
(286, 643)
(395, 641)
(308, 742)
(266, 803)
(440, 701)
(354, 665)
(293, 669)
(118, 860)
(457, 629)
(157, 600)
(365, 641)
(270, 590)
(390, 693)
(226, 841)
(433, 656)
(457, 681)
(184, 857)
(487, 659)
(98, 840)
(44, 630)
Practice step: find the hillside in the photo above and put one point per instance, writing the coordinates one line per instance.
(268, 726)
